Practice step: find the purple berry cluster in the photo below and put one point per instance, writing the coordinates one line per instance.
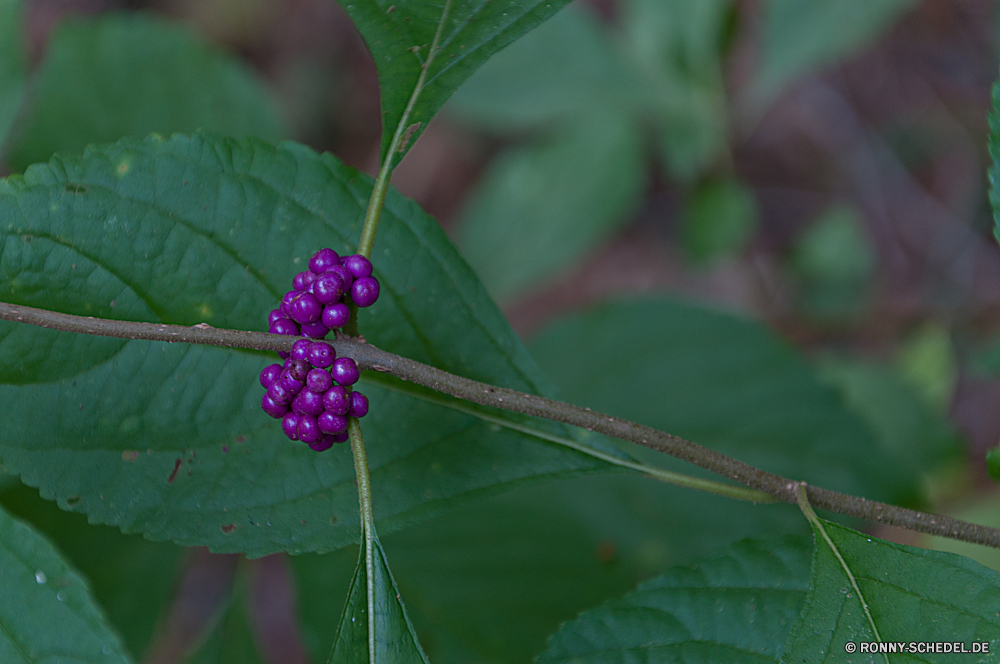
(317, 302)
(311, 393)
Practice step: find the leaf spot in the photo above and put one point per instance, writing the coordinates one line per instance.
(228, 528)
(173, 475)
(130, 455)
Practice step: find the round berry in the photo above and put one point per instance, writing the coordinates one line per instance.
(305, 308)
(330, 423)
(274, 315)
(308, 430)
(286, 300)
(308, 403)
(298, 369)
(273, 408)
(324, 443)
(289, 424)
(364, 291)
(341, 437)
(269, 375)
(336, 400)
(359, 405)
(318, 381)
(278, 393)
(344, 274)
(323, 260)
(358, 265)
(345, 371)
(301, 281)
(321, 355)
(315, 330)
(284, 326)
(300, 349)
(328, 288)
(336, 315)
(289, 383)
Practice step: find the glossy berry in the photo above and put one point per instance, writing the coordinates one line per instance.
(308, 403)
(302, 280)
(318, 381)
(323, 260)
(364, 291)
(278, 393)
(289, 424)
(284, 326)
(298, 369)
(330, 423)
(358, 266)
(273, 408)
(269, 374)
(274, 315)
(286, 300)
(345, 371)
(300, 349)
(359, 405)
(308, 430)
(315, 330)
(336, 400)
(336, 315)
(289, 383)
(344, 274)
(341, 438)
(324, 443)
(328, 288)
(321, 355)
(305, 308)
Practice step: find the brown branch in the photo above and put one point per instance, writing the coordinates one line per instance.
(372, 358)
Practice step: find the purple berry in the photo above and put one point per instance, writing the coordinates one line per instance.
(345, 371)
(290, 383)
(344, 274)
(328, 288)
(336, 315)
(272, 407)
(308, 430)
(336, 400)
(278, 393)
(300, 349)
(305, 308)
(318, 381)
(359, 405)
(330, 423)
(301, 281)
(269, 375)
(365, 291)
(286, 300)
(298, 369)
(358, 265)
(284, 326)
(274, 315)
(321, 355)
(323, 260)
(341, 437)
(324, 443)
(315, 330)
(289, 424)
(308, 403)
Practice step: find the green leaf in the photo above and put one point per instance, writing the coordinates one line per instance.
(567, 65)
(395, 639)
(804, 35)
(132, 579)
(720, 219)
(399, 36)
(13, 65)
(737, 606)
(169, 440)
(907, 595)
(994, 171)
(104, 78)
(232, 641)
(722, 381)
(540, 207)
(47, 614)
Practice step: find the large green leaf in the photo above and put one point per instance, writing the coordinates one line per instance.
(724, 382)
(131, 578)
(802, 35)
(399, 35)
(13, 65)
(129, 75)
(541, 206)
(907, 595)
(736, 607)
(47, 613)
(395, 639)
(994, 171)
(169, 440)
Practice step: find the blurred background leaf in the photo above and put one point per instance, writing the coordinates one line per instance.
(13, 65)
(719, 220)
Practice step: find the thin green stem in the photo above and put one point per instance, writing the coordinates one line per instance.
(399, 140)
(817, 524)
(367, 523)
